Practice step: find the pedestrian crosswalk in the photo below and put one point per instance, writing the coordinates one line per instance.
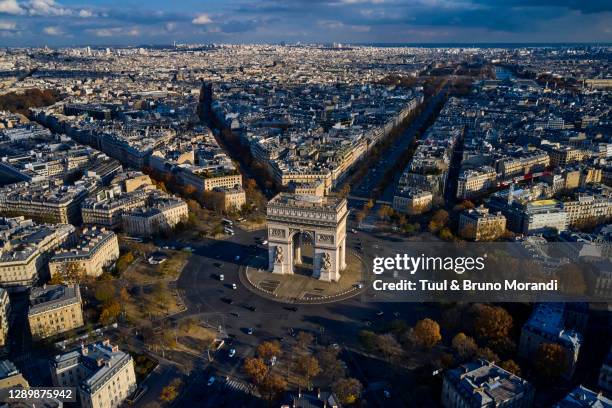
(237, 385)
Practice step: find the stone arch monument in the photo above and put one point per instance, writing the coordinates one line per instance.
(322, 219)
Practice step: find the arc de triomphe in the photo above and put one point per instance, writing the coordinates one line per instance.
(322, 219)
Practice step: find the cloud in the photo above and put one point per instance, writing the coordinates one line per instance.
(114, 32)
(8, 25)
(10, 7)
(53, 30)
(85, 13)
(170, 26)
(202, 19)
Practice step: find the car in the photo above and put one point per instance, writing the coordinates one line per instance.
(228, 301)
(335, 346)
(292, 308)
(211, 380)
(235, 314)
(250, 330)
(387, 393)
(232, 353)
(218, 264)
(264, 242)
(380, 313)
(237, 258)
(396, 314)
(234, 286)
(221, 277)
(353, 230)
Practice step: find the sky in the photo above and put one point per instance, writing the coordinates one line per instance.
(130, 22)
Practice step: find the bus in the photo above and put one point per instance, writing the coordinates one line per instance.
(227, 222)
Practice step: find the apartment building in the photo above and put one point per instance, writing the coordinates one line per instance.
(472, 183)
(412, 200)
(10, 376)
(44, 202)
(208, 180)
(107, 211)
(314, 188)
(103, 374)
(547, 324)
(479, 224)
(582, 397)
(605, 374)
(161, 214)
(96, 250)
(25, 248)
(562, 156)
(543, 215)
(231, 199)
(526, 163)
(481, 384)
(54, 309)
(587, 208)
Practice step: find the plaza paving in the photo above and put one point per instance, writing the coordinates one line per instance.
(301, 287)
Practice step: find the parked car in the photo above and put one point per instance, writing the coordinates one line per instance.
(234, 286)
(221, 277)
(250, 330)
(232, 353)
(211, 380)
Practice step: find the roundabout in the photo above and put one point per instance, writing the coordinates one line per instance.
(300, 288)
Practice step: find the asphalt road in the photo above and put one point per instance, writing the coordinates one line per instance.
(228, 310)
(394, 153)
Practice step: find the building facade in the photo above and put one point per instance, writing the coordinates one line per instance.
(481, 384)
(97, 249)
(103, 374)
(479, 225)
(54, 309)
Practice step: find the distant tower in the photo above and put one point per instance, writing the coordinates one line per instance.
(206, 97)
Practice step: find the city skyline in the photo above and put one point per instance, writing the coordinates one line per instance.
(113, 23)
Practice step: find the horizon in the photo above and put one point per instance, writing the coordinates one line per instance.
(28, 23)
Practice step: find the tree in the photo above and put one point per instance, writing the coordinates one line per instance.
(465, 346)
(438, 220)
(70, 273)
(110, 311)
(170, 391)
(331, 366)
(491, 322)
(124, 261)
(385, 212)
(368, 340)
(307, 367)
(256, 369)
(446, 234)
(511, 366)
(105, 292)
(550, 361)
(427, 333)
(268, 349)
(304, 340)
(487, 354)
(360, 216)
(388, 346)
(272, 386)
(347, 390)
